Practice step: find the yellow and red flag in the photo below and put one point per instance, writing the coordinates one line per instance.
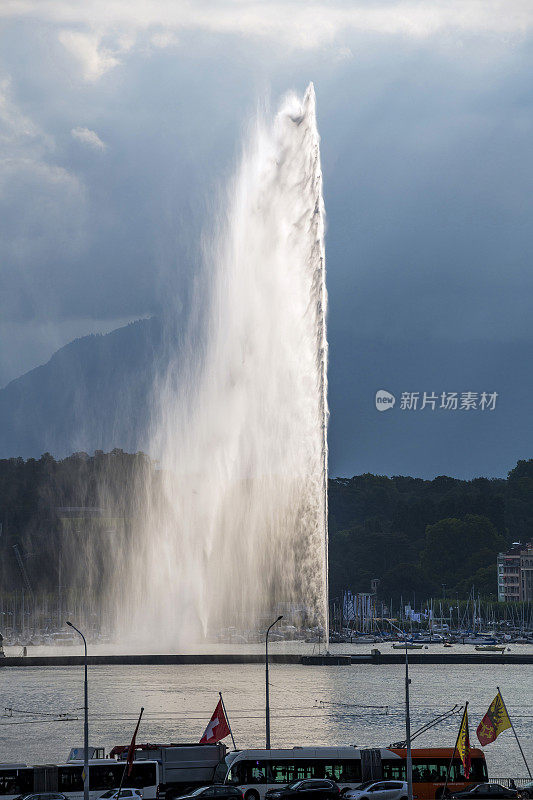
(494, 722)
(463, 744)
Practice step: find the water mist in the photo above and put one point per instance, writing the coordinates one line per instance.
(233, 527)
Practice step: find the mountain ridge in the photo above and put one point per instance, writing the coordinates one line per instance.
(96, 392)
(91, 392)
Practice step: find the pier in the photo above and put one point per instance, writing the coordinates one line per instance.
(376, 658)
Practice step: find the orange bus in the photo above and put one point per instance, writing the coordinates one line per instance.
(430, 765)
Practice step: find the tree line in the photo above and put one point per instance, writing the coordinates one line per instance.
(426, 537)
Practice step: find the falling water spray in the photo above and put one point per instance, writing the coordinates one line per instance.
(233, 525)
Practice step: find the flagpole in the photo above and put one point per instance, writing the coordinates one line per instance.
(127, 760)
(454, 751)
(515, 736)
(122, 780)
(227, 720)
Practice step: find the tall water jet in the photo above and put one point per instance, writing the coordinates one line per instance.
(234, 526)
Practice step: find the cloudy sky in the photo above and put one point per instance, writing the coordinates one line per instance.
(120, 119)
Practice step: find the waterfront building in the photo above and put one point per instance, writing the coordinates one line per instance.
(515, 573)
(526, 573)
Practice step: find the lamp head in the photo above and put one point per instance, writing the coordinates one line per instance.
(280, 617)
(70, 624)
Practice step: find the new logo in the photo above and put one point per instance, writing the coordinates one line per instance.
(384, 400)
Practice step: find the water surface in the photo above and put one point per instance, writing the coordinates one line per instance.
(310, 705)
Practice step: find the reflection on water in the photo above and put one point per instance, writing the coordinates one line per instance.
(310, 705)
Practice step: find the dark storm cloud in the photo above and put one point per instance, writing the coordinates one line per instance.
(117, 140)
(425, 159)
(428, 198)
(104, 229)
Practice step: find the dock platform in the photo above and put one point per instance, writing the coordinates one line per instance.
(335, 660)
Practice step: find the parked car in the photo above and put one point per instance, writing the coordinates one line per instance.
(312, 789)
(220, 792)
(127, 794)
(42, 796)
(486, 790)
(378, 790)
(526, 791)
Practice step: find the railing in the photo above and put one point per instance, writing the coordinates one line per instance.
(518, 782)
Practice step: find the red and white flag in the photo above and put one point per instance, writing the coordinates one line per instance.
(218, 727)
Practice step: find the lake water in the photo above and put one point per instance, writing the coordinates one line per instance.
(357, 704)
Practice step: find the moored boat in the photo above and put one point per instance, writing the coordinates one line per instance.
(407, 645)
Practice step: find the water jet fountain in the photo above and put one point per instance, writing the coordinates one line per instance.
(235, 525)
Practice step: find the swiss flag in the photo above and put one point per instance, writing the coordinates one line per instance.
(218, 727)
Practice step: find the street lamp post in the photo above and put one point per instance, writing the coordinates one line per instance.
(408, 729)
(267, 695)
(86, 722)
(409, 758)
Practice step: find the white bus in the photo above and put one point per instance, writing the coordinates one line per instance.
(256, 771)
(104, 774)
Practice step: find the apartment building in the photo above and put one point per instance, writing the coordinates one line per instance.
(515, 573)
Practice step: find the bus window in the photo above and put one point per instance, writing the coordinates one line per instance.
(222, 773)
(332, 771)
(435, 771)
(281, 772)
(105, 776)
(394, 770)
(289, 771)
(350, 771)
(302, 771)
(478, 771)
(244, 772)
(142, 775)
(16, 781)
(237, 773)
(69, 778)
(285, 771)
(258, 772)
(429, 772)
(319, 769)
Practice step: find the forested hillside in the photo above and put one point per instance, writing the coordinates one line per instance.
(413, 535)
(416, 535)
